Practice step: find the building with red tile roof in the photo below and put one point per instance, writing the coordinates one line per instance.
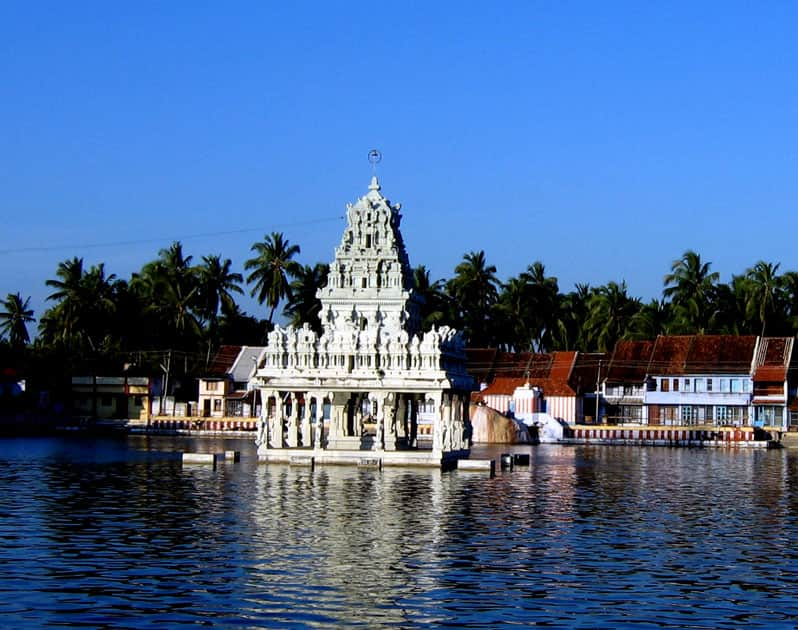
(526, 383)
(224, 391)
(775, 361)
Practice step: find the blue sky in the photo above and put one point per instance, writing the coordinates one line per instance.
(603, 139)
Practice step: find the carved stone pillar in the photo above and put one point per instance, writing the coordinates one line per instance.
(389, 421)
(379, 420)
(276, 437)
(400, 417)
(263, 419)
(292, 422)
(305, 425)
(319, 424)
(413, 432)
(337, 411)
(438, 426)
(458, 427)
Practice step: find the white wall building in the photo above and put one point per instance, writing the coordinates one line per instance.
(372, 365)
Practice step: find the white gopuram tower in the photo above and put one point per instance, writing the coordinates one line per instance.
(372, 368)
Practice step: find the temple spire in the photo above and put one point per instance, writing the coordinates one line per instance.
(375, 184)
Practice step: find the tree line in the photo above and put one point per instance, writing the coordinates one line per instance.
(96, 321)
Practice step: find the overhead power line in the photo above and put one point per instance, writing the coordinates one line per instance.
(141, 241)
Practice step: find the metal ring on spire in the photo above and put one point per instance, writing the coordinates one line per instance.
(375, 157)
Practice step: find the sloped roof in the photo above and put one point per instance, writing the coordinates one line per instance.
(669, 354)
(480, 363)
(773, 358)
(629, 362)
(585, 371)
(561, 365)
(246, 363)
(548, 371)
(720, 353)
(223, 361)
(503, 386)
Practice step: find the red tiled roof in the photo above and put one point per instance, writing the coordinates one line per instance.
(585, 371)
(720, 353)
(503, 386)
(670, 354)
(552, 387)
(480, 363)
(223, 361)
(629, 361)
(240, 395)
(547, 371)
(561, 365)
(770, 373)
(506, 386)
(773, 358)
(766, 401)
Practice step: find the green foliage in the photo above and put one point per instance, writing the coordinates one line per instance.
(14, 319)
(97, 322)
(303, 305)
(272, 267)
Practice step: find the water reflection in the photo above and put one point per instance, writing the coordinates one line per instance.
(119, 533)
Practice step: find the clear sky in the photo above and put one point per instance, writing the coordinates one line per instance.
(602, 138)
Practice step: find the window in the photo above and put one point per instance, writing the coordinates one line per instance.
(736, 386)
(212, 386)
(217, 404)
(688, 414)
(700, 385)
(368, 240)
(709, 384)
(665, 384)
(363, 283)
(721, 414)
(105, 401)
(766, 414)
(676, 384)
(138, 401)
(668, 414)
(746, 386)
(687, 385)
(724, 386)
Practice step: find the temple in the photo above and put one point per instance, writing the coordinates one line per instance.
(357, 392)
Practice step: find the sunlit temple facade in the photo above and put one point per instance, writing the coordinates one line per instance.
(372, 368)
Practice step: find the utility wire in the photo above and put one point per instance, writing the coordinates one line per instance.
(141, 241)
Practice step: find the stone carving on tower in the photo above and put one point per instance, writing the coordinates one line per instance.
(372, 364)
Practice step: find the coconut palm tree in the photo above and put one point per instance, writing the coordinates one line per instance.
(569, 330)
(765, 291)
(14, 319)
(610, 314)
(303, 305)
(651, 320)
(272, 267)
(436, 307)
(170, 287)
(513, 309)
(690, 287)
(62, 319)
(474, 290)
(790, 282)
(542, 305)
(86, 303)
(217, 284)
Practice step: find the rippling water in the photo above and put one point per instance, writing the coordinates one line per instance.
(117, 533)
